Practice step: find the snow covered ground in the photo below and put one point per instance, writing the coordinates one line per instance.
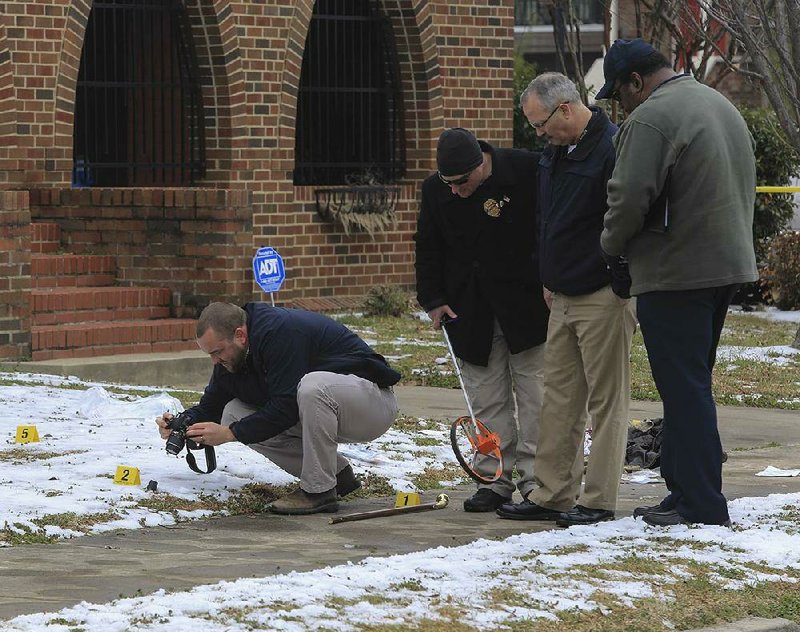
(488, 583)
(86, 432)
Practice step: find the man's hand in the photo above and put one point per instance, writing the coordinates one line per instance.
(436, 315)
(162, 422)
(548, 297)
(620, 276)
(210, 433)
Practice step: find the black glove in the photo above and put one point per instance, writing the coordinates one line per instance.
(620, 276)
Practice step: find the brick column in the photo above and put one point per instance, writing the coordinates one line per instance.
(15, 275)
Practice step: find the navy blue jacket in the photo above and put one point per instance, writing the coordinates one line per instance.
(285, 345)
(572, 204)
(478, 255)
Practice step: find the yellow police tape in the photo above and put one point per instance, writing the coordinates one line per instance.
(766, 189)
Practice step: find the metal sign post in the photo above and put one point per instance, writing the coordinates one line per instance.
(268, 271)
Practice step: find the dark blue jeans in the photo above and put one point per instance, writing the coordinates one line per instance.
(681, 332)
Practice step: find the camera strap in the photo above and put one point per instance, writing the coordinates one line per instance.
(211, 460)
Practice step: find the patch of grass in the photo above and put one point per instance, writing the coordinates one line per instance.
(373, 485)
(743, 330)
(701, 603)
(254, 498)
(771, 444)
(82, 523)
(162, 502)
(410, 584)
(569, 549)
(432, 477)
(75, 522)
(759, 384)
(24, 455)
(633, 564)
(407, 423)
(427, 441)
(25, 535)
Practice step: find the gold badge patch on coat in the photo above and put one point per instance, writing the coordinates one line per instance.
(493, 207)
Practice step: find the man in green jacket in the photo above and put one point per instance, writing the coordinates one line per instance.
(680, 208)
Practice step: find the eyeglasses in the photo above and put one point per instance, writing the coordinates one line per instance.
(540, 125)
(458, 181)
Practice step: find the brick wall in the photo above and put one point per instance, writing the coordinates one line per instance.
(455, 66)
(194, 241)
(15, 274)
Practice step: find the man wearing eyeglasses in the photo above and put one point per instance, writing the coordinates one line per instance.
(591, 320)
(476, 263)
(680, 207)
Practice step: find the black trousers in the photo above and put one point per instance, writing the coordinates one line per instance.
(681, 331)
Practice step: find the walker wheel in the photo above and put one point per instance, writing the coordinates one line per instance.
(477, 449)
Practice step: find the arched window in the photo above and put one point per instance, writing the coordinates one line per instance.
(138, 107)
(349, 106)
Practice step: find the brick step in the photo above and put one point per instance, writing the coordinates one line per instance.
(112, 338)
(54, 306)
(45, 237)
(73, 270)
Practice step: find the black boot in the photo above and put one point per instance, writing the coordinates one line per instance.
(484, 500)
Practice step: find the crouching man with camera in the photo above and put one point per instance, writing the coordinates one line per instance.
(291, 385)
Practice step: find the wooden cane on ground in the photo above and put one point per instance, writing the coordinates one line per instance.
(441, 503)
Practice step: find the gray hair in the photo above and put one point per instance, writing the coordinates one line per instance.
(551, 88)
(223, 318)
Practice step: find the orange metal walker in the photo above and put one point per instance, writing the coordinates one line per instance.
(477, 449)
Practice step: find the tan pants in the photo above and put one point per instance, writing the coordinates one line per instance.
(587, 364)
(493, 390)
(334, 409)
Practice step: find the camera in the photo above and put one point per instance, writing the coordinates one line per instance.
(177, 438)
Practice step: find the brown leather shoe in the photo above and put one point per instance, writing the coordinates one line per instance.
(300, 503)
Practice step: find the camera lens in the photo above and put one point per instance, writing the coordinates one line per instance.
(175, 442)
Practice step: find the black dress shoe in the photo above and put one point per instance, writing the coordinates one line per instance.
(583, 515)
(527, 510)
(484, 500)
(669, 518)
(641, 511)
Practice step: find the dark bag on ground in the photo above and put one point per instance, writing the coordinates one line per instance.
(644, 444)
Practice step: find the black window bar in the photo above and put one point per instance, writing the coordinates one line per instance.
(350, 123)
(138, 108)
(540, 12)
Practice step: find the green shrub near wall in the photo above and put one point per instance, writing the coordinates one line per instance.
(524, 135)
(782, 271)
(776, 163)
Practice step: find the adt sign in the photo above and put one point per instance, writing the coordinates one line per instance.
(268, 269)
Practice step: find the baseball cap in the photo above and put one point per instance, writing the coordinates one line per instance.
(620, 58)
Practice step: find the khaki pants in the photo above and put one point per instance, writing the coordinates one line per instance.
(334, 409)
(493, 390)
(587, 364)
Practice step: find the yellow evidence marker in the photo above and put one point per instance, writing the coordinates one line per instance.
(406, 499)
(127, 475)
(27, 434)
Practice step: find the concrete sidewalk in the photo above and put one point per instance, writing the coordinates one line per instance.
(101, 568)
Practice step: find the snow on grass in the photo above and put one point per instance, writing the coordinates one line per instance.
(487, 583)
(85, 433)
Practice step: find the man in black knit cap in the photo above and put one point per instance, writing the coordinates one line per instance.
(476, 263)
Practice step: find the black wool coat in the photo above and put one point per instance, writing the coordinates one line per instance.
(478, 255)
